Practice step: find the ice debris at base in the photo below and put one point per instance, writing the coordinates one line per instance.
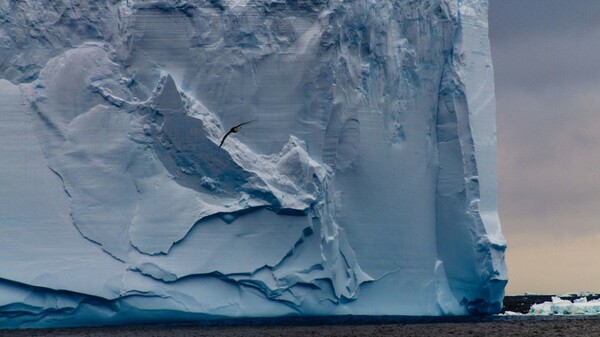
(367, 184)
(559, 306)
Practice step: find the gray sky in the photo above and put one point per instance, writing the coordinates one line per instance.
(546, 56)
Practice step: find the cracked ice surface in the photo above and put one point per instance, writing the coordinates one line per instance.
(366, 185)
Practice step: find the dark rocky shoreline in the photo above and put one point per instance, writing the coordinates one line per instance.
(526, 326)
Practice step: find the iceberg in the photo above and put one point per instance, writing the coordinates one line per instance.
(366, 184)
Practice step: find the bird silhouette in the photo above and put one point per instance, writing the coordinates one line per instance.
(234, 129)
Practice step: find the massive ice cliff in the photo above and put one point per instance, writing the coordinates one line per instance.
(366, 185)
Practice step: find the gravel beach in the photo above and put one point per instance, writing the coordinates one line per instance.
(491, 326)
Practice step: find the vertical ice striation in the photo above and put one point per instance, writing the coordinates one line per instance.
(365, 185)
(467, 219)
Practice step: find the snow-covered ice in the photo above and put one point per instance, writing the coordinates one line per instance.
(366, 185)
(559, 306)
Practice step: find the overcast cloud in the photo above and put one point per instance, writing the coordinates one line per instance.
(546, 56)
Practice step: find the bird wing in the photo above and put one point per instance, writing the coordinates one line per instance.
(232, 130)
(222, 140)
(237, 126)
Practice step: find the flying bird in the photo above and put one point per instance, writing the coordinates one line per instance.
(234, 129)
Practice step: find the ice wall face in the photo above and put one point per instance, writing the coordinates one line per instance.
(366, 185)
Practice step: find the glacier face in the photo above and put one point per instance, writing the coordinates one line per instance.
(366, 185)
